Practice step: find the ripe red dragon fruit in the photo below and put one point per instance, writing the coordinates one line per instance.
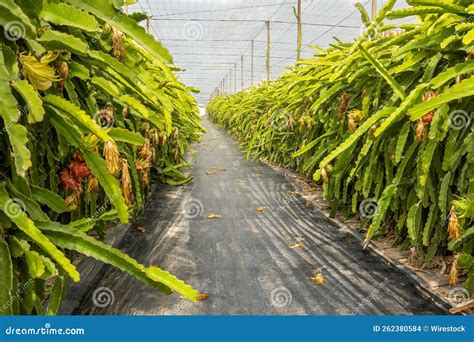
(427, 118)
(79, 170)
(68, 182)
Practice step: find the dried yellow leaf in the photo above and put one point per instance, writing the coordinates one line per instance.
(296, 245)
(214, 216)
(319, 279)
(261, 209)
(215, 170)
(200, 297)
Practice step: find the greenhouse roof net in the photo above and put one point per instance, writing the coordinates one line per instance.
(211, 38)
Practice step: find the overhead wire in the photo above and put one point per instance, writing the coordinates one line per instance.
(220, 50)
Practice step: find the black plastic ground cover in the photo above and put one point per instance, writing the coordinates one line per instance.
(244, 260)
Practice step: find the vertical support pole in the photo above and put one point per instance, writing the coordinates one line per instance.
(230, 80)
(299, 38)
(235, 77)
(251, 66)
(268, 50)
(242, 72)
(374, 9)
(147, 24)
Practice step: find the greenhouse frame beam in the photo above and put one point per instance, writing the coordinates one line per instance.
(216, 10)
(242, 72)
(253, 21)
(299, 33)
(235, 77)
(234, 55)
(223, 40)
(252, 65)
(268, 50)
(374, 9)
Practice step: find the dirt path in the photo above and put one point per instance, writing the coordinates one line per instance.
(244, 260)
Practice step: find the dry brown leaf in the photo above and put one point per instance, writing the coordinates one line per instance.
(443, 267)
(215, 170)
(261, 209)
(458, 309)
(140, 229)
(319, 279)
(296, 245)
(214, 216)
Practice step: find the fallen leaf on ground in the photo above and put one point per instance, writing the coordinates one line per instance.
(296, 245)
(215, 170)
(202, 296)
(458, 309)
(241, 181)
(261, 209)
(214, 216)
(319, 279)
(140, 229)
(258, 174)
(443, 267)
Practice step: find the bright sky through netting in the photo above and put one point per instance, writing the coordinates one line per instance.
(211, 38)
